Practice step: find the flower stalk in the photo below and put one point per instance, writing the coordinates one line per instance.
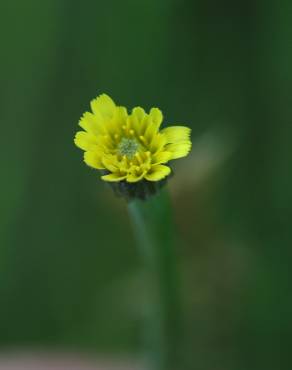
(154, 230)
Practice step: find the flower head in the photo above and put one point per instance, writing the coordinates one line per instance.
(129, 147)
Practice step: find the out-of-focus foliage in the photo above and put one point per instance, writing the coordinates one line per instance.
(223, 68)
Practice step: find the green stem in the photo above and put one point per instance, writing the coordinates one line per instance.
(155, 234)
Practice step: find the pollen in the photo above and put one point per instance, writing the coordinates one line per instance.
(128, 147)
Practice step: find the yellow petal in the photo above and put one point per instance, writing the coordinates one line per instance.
(105, 142)
(151, 126)
(114, 126)
(161, 157)
(120, 116)
(179, 150)
(92, 123)
(134, 177)
(157, 172)
(139, 113)
(157, 143)
(110, 162)
(150, 132)
(113, 177)
(94, 160)
(103, 105)
(85, 141)
(145, 124)
(176, 134)
(156, 116)
(137, 121)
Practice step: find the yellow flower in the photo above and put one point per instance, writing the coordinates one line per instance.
(129, 147)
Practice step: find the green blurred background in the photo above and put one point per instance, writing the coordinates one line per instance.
(69, 269)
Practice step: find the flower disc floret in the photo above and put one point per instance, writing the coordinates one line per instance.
(128, 147)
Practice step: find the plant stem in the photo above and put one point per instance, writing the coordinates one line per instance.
(155, 234)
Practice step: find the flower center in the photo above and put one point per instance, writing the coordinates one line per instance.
(128, 147)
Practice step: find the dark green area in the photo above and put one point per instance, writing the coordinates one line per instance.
(69, 268)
